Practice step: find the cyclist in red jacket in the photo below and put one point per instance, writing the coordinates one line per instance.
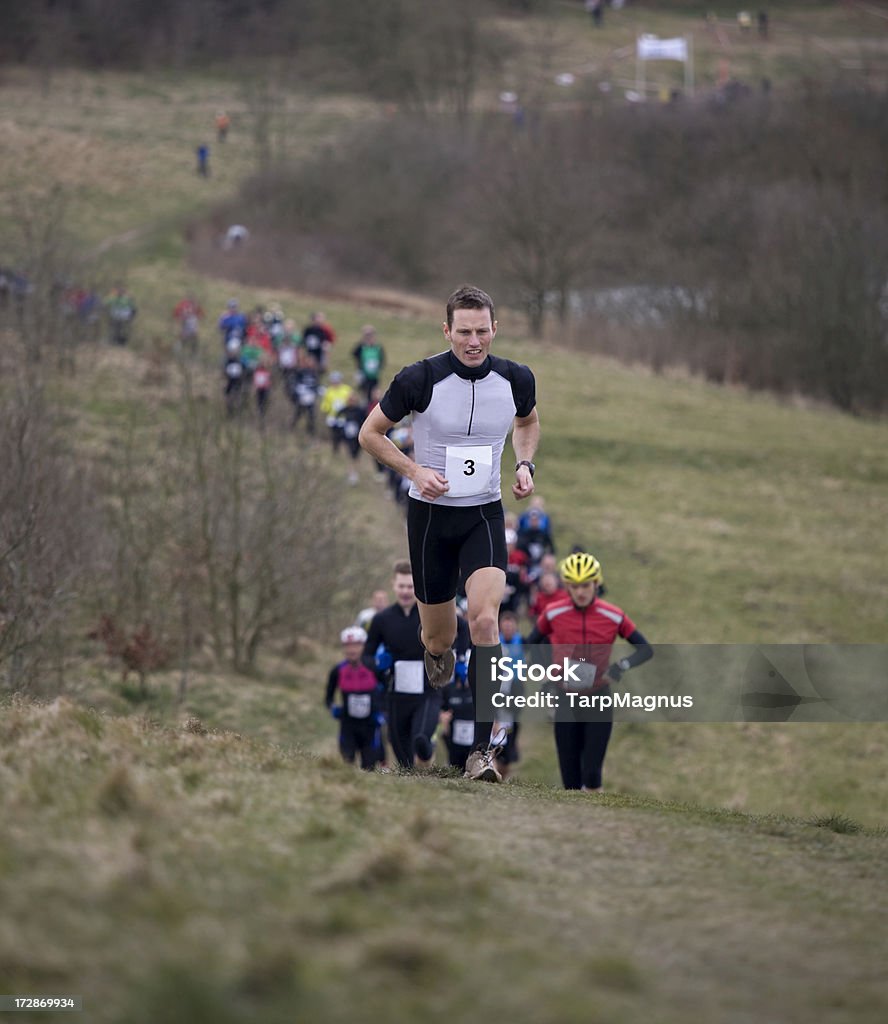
(584, 627)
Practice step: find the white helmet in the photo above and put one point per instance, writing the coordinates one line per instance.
(353, 635)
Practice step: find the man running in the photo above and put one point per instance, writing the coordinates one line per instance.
(464, 402)
(393, 649)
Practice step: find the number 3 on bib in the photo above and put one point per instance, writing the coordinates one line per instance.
(468, 468)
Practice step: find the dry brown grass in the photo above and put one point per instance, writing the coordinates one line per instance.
(148, 869)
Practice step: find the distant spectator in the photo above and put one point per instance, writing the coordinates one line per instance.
(203, 160)
(533, 536)
(370, 358)
(596, 10)
(303, 389)
(276, 329)
(548, 563)
(223, 123)
(188, 315)
(288, 355)
(510, 638)
(258, 334)
(262, 387)
(121, 310)
(457, 715)
(235, 236)
(548, 592)
(401, 436)
(80, 307)
(516, 578)
(317, 337)
(251, 356)
(378, 600)
(234, 377)
(333, 403)
(233, 323)
(541, 517)
(353, 416)
(513, 647)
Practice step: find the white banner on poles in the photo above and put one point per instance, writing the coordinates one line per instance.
(652, 48)
(649, 47)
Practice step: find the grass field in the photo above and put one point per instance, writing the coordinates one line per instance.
(212, 861)
(184, 876)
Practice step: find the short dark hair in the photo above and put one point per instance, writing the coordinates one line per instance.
(467, 296)
(402, 568)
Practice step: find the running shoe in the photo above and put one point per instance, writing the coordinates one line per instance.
(439, 668)
(481, 766)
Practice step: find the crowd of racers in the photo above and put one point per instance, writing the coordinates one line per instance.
(388, 713)
(260, 352)
(385, 693)
(264, 350)
(383, 662)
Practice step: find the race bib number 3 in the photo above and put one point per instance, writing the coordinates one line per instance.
(468, 468)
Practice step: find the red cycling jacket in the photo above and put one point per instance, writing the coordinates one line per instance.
(584, 633)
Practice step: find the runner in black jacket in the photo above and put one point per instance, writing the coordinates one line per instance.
(394, 650)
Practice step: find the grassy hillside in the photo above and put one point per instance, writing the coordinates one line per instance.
(180, 875)
(719, 516)
(212, 861)
(833, 42)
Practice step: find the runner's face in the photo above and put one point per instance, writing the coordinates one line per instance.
(471, 335)
(582, 594)
(353, 651)
(403, 588)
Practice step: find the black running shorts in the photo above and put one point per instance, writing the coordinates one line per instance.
(449, 541)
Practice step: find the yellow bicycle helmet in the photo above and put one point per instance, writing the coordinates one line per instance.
(581, 567)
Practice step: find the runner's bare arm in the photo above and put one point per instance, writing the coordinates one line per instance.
(525, 439)
(373, 440)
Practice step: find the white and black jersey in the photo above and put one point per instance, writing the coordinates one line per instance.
(461, 418)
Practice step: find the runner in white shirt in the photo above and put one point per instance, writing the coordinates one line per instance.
(464, 402)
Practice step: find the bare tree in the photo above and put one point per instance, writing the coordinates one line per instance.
(260, 520)
(542, 217)
(47, 535)
(44, 252)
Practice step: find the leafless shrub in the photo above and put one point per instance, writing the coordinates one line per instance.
(44, 255)
(140, 651)
(47, 534)
(261, 525)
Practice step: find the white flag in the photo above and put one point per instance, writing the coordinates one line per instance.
(652, 48)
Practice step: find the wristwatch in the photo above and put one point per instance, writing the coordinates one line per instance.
(525, 462)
